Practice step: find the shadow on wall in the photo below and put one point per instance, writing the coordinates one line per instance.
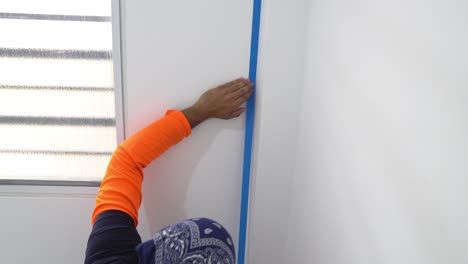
(167, 180)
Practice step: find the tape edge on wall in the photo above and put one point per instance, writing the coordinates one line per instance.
(249, 127)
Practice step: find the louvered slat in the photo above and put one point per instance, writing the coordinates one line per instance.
(57, 112)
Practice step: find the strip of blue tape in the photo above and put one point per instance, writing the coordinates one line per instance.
(249, 126)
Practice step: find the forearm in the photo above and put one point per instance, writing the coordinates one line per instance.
(121, 186)
(149, 143)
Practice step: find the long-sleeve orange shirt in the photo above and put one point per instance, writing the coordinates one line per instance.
(121, 187)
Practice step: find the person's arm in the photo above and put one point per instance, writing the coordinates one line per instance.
(121, 187)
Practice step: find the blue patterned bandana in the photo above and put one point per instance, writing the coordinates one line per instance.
(194, 241)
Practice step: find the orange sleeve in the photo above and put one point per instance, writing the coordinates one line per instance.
(121, 187)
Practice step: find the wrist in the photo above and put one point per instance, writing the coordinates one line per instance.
(194, 115)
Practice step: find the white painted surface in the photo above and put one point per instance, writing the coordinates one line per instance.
(45, 224)
(382, 147)
(279, 87)
(175, 50)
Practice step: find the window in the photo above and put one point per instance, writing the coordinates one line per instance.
(57, 99)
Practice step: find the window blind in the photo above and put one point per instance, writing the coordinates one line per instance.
(57, 112)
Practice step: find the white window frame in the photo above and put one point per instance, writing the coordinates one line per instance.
(47, 187)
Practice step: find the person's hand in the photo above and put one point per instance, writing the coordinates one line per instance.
(223, 102)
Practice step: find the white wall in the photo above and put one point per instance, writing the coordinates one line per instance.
(45, 224)
(279, 87)
(383, 149)
(175, 50)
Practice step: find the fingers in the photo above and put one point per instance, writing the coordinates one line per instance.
(237, 112)
(232, 83)
(243, 97)
(239, 91)
(237, 84)
(231, 96)
(243, 90)
(236, 87)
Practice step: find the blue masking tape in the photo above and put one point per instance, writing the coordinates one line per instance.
(249, 125)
